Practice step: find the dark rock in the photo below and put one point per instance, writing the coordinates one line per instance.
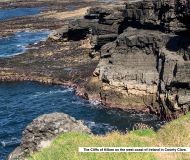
(148, 63)
(144, 53)
(98, 41)
(106, 50)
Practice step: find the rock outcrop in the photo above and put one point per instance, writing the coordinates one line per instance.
(144, 49)
(40, 133)
(141, 126)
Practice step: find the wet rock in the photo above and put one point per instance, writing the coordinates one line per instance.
(40, 133)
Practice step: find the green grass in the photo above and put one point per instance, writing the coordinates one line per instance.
(176, 133)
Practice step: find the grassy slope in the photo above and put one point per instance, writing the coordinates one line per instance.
(176, 133)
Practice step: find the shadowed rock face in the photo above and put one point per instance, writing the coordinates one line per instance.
(145, 55)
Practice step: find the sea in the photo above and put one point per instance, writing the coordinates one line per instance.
(21, 102)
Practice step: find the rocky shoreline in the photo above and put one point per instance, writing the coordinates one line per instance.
(53, 15)
(144, 55)
(133, 55)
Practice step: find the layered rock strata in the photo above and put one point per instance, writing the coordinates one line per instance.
(144, 49)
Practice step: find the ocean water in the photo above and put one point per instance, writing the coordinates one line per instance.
(24, 101)
(17, 43)
(18, 12)
(21, 102)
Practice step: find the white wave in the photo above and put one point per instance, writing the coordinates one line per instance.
(38, 94)
(43, 39)
(100, 128)
(77, 102)
(23, 47)
(18, 35)
(94, 102)
(12, 55)
(10, 142)
(32, 47)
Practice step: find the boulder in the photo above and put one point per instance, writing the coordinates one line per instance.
(40, 133)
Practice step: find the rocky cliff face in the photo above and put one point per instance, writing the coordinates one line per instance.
(144, 49)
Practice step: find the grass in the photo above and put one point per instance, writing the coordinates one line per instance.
(174, 134)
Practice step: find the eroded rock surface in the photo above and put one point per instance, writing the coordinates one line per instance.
(40, 133)
(145, 55)
(144, 49)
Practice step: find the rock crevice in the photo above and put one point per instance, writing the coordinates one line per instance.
(144, 49)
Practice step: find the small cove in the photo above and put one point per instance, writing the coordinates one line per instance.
(22, 102)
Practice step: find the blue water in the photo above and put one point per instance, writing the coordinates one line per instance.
(22, 102)
(16, 44)
(17, 12)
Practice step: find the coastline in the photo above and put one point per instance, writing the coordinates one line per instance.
(103, 55)
(74, 57)
(44, 53)
(47, 19)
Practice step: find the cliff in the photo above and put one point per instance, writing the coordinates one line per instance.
(144, 49)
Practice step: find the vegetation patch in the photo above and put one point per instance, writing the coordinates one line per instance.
(174, 134)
